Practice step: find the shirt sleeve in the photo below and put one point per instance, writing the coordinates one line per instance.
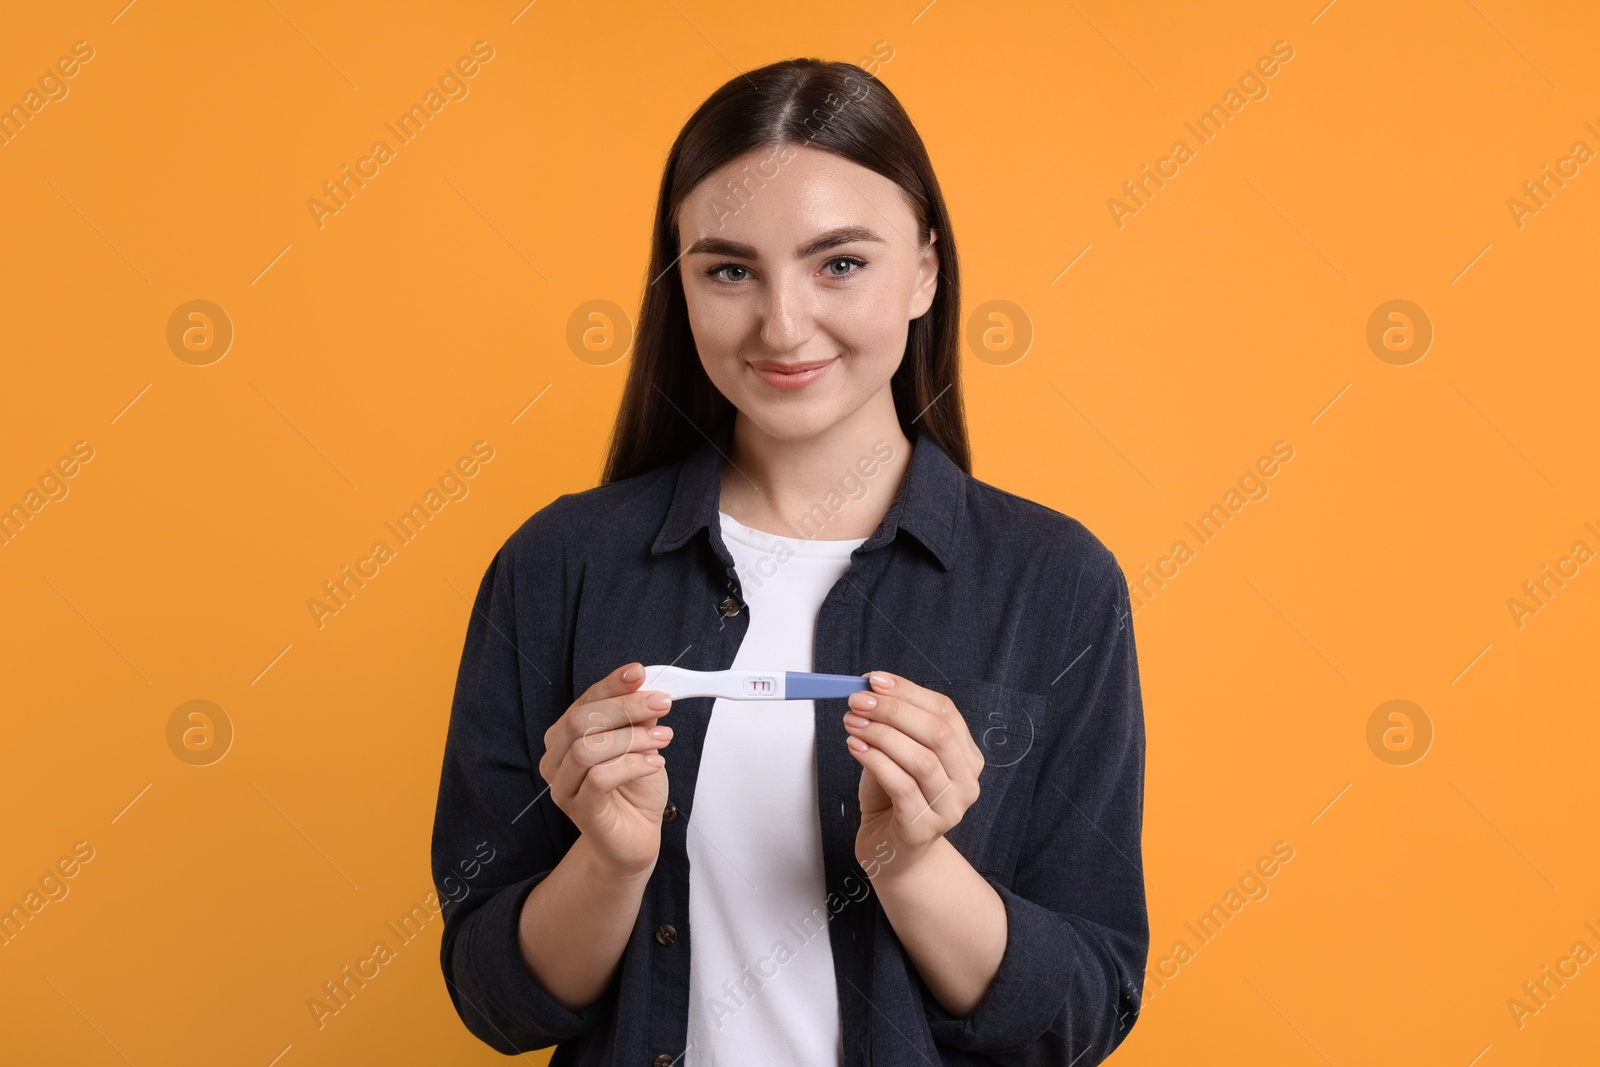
(1072, 974)
(492, 803)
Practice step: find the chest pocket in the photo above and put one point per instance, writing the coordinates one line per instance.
(1008, 726)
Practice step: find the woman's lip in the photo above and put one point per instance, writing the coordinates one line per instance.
(799, 380)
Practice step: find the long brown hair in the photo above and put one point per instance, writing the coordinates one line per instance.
(669, 407)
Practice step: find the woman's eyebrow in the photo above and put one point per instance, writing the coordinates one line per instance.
(843, 235)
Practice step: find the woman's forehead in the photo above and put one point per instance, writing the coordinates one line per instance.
(783, 205)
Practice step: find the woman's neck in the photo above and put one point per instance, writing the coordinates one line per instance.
(832, 487)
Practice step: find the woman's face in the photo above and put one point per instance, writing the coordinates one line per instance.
(802, 285)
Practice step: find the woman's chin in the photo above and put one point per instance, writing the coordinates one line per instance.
(791, 422)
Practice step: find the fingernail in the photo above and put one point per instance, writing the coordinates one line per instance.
(658, 702)
(857, 744)
(857, 721)
(862, 700)
(660, 733)
(882, 681)
(633, 674)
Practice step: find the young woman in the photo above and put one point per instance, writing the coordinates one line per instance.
(945, 868)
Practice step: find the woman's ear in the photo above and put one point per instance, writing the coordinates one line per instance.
(927, 278)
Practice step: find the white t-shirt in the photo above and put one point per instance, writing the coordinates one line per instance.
(761, 981)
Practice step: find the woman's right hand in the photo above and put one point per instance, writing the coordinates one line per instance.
(605, 771)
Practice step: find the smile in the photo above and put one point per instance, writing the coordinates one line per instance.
(792, 375)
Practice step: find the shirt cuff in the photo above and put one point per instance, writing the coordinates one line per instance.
(515, 1009)
(1029, 990)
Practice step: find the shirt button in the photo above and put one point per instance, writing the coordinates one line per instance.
(669, 812)
(665, 934)
(662, 1060)
(730, 607)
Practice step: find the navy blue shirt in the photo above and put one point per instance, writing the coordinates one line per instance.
(1013, 610)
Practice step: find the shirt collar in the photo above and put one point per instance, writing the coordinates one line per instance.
(929, 504)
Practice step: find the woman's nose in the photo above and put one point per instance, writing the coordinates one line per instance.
(786, 322)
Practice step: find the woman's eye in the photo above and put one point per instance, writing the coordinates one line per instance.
(851, 261)
(716, 272)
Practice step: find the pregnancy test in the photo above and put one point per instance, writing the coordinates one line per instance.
(680, 682)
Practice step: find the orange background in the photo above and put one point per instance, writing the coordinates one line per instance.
(1229, 313)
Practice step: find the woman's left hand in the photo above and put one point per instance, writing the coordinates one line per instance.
(920, 768)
